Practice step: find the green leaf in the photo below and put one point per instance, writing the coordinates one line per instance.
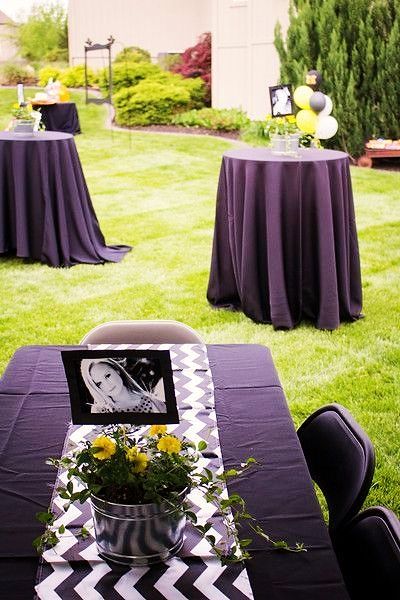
(45, 517)
(231, 472)
(61, 529)
(191, 515)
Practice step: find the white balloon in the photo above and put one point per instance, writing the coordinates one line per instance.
(328, 106)
(327, 126)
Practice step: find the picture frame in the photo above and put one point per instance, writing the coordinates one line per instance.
(281, 98)
(120, 386)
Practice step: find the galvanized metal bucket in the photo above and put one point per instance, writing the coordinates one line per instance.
(139, 534)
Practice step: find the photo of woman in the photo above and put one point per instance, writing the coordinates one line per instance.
(113, 389)
(281, 100)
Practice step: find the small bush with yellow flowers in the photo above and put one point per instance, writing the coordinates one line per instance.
(125, 467)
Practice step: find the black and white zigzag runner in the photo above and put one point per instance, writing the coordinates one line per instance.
(73, 570)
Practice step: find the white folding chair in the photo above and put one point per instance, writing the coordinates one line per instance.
(142, 332)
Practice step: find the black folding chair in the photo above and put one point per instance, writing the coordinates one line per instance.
(341, 460)
(368, 551)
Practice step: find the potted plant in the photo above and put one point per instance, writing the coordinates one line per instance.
(283, 134)
(24, 118)
(137, 486)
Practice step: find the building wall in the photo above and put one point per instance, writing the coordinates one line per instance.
(156, 25)
(8, 50)
(244, 60)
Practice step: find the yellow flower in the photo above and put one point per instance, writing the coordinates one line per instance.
(169, 444)
(131, 453)
(157, 429)
(15, 105)
(140, 463)
(139, 459)
(104, 447)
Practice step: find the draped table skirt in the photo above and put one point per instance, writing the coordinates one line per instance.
(46, 213)
(285, 241)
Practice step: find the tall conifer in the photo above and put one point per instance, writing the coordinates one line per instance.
(356, 46)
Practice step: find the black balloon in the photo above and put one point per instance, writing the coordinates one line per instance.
(313, 79)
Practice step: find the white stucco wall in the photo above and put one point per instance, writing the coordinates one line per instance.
(8, 50)
(244, 60)
(155, 25)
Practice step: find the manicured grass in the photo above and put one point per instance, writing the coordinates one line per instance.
(157, 193)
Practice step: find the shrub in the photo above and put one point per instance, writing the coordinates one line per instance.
(150, 102)
(133, 54)
(197, 90)
(12, 73)
(213, 118)
(74, 77)
(48, 72)
(127, 75)
(196, 62)
(168, 61)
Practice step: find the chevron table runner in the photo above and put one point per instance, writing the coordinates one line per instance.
(73, 570)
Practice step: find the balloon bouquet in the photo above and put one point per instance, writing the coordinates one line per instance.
(315, 115)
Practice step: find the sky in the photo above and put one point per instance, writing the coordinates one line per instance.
(17, 9)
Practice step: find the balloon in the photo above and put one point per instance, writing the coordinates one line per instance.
(327, 126)
(318, 101)
(306, 121)
(302, 96)
(328, 106)
(313, 79)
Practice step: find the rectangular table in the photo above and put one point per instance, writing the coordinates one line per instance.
(253, 420)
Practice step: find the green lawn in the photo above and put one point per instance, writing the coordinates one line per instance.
(157, 193)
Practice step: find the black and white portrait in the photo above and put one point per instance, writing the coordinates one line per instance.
(281, 100)
(120, 386)
(117, 385)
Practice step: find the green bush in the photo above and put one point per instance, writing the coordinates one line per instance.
(12, 73)
(150, 102)
(74, 77)
(127, 75)
(196, 88)
(48, 72)
(169, 61)
(213, 118)
(133, 54)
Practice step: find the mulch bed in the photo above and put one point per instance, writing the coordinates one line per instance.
(232, 135)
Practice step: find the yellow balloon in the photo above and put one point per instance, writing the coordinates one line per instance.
(306, 120)
(302, 96)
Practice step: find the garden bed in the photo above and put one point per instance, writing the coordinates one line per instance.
(232, 135)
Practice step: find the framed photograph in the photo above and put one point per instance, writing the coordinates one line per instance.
(120, 386)
(281, 100)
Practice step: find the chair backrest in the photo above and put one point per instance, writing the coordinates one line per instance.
(368, 551)
(142, 332)
(340, 458)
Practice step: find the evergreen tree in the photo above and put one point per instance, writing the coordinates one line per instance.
(355, 44)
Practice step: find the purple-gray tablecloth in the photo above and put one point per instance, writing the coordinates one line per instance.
(285, 242)
(62, 116)
(46, 212)
(253, 420)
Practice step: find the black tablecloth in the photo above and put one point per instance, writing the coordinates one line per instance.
(45, 209)
(285, 241)
(62, 116)
(253, 420)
